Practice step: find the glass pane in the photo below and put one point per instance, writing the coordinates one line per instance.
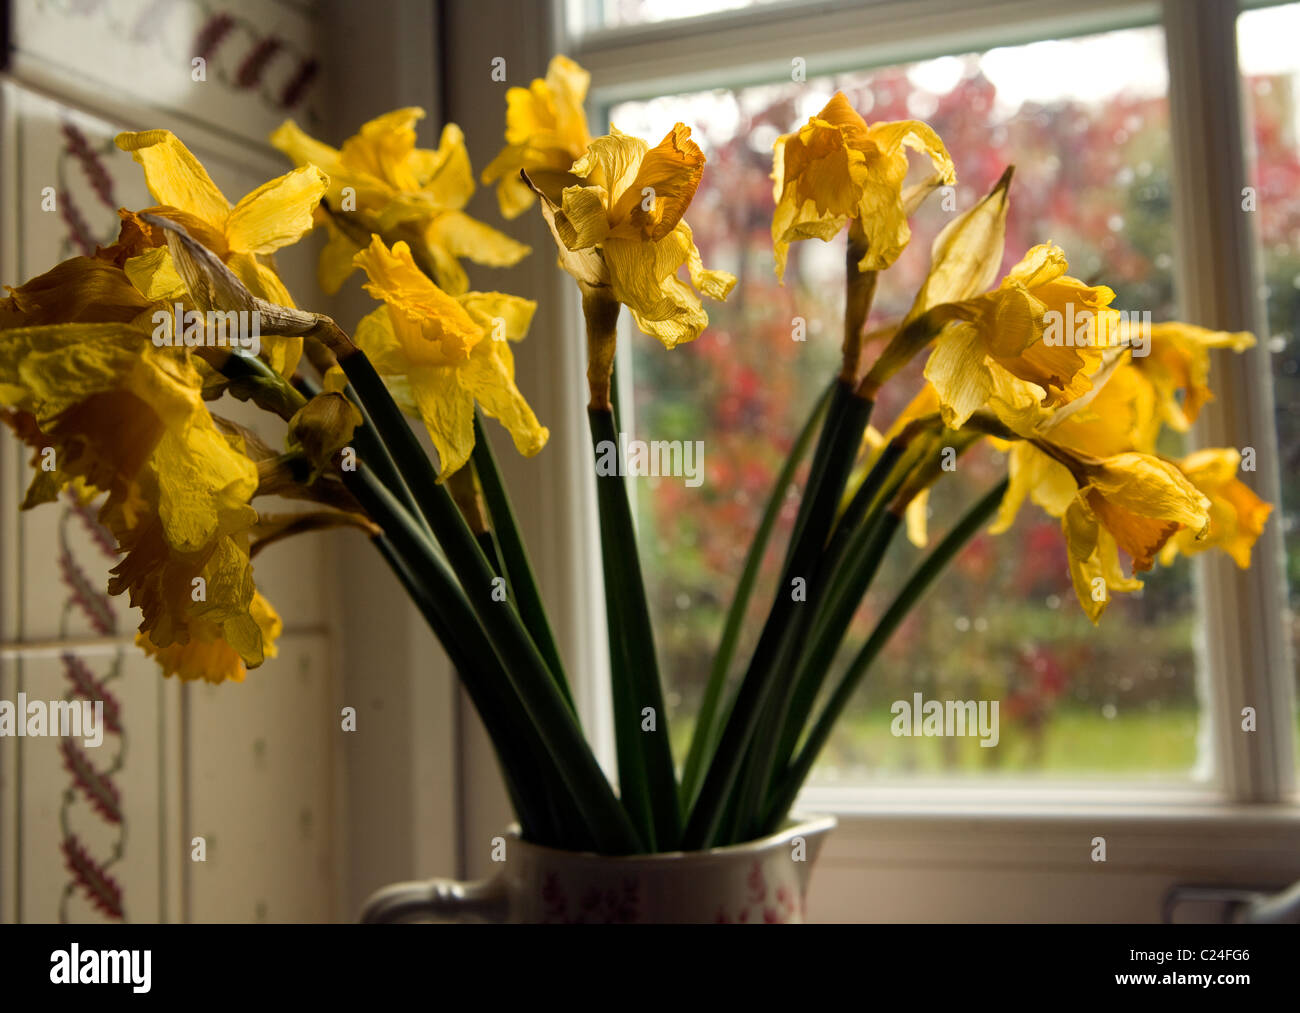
(1093, 158)
(1270, 66)
(589, 15)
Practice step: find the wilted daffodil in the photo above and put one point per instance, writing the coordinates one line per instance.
(380, 182)
(1008, 349)
(211, 653)
(1130, 501)
(78, 290)
(1177, 364)
(1237, 515)
(1136, 502)
(202, 617)
(546, 132)
(440, 355)
(835, 170)
(118, 414)
(275, 215)
(621, 235)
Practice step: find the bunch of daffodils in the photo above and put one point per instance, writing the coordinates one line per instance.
(119, 413)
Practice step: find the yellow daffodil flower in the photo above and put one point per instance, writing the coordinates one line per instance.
(1178, 367)
(126, 417)
(109, 402)
(1237, 515)
(380, 182)
(275, 215)
(1130, 501)
(623, 229)
(79, 290)
(209, 654)
(546, 132)
(440, 354)
(836, 169)
(1029, 343)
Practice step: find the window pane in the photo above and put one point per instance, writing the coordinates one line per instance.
(589, 15)
(1093, 160)
(1270, 65)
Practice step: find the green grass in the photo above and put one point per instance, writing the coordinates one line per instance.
(1071, 742)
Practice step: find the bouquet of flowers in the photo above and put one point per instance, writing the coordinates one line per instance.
(114, 369)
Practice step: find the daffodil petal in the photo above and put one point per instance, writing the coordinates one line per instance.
(174, 176)
(277, 213)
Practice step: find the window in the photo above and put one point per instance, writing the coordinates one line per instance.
(1270, 68)
(1136, 701)
(1093, 174)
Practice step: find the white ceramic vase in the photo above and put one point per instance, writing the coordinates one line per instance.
(762, 881)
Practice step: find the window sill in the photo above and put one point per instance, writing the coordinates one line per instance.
(1182, 830)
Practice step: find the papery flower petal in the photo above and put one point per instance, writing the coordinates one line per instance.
(382, 147)
(336, 264)
(77, 290)
(445, 174)
(155, 276)
(642, 278)
(447, 408)
(174, 176)
(612, 162)
(714, 284)
(584, 219)
(490, 378)
(958, 372)
(1237, 514)
(432, 327)
(277, 213)
(463, 236)
(662, 190)
(511, 315)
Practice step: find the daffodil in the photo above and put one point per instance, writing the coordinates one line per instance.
(123, 416)
(79, 290)
(1000, 348)
(209, 654)
(380, 182)
(623, 230)
(835, 169)
(1131, 501)
(441, 354)
(1237, 515)
(1177, 364)
(546, 132)
(276, 214)
(109, 401)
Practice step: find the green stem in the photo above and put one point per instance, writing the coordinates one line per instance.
(518, 766)
(647, 781)
(810, 659)
(514, 556)
(523, 663)
(846, 421)
(920, 581)
(835, 566)
(707, 725)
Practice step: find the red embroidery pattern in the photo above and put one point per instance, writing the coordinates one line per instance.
(90, 784)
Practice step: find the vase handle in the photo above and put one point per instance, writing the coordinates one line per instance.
(484, 900)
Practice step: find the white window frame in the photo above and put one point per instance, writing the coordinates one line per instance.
(1242, 826)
